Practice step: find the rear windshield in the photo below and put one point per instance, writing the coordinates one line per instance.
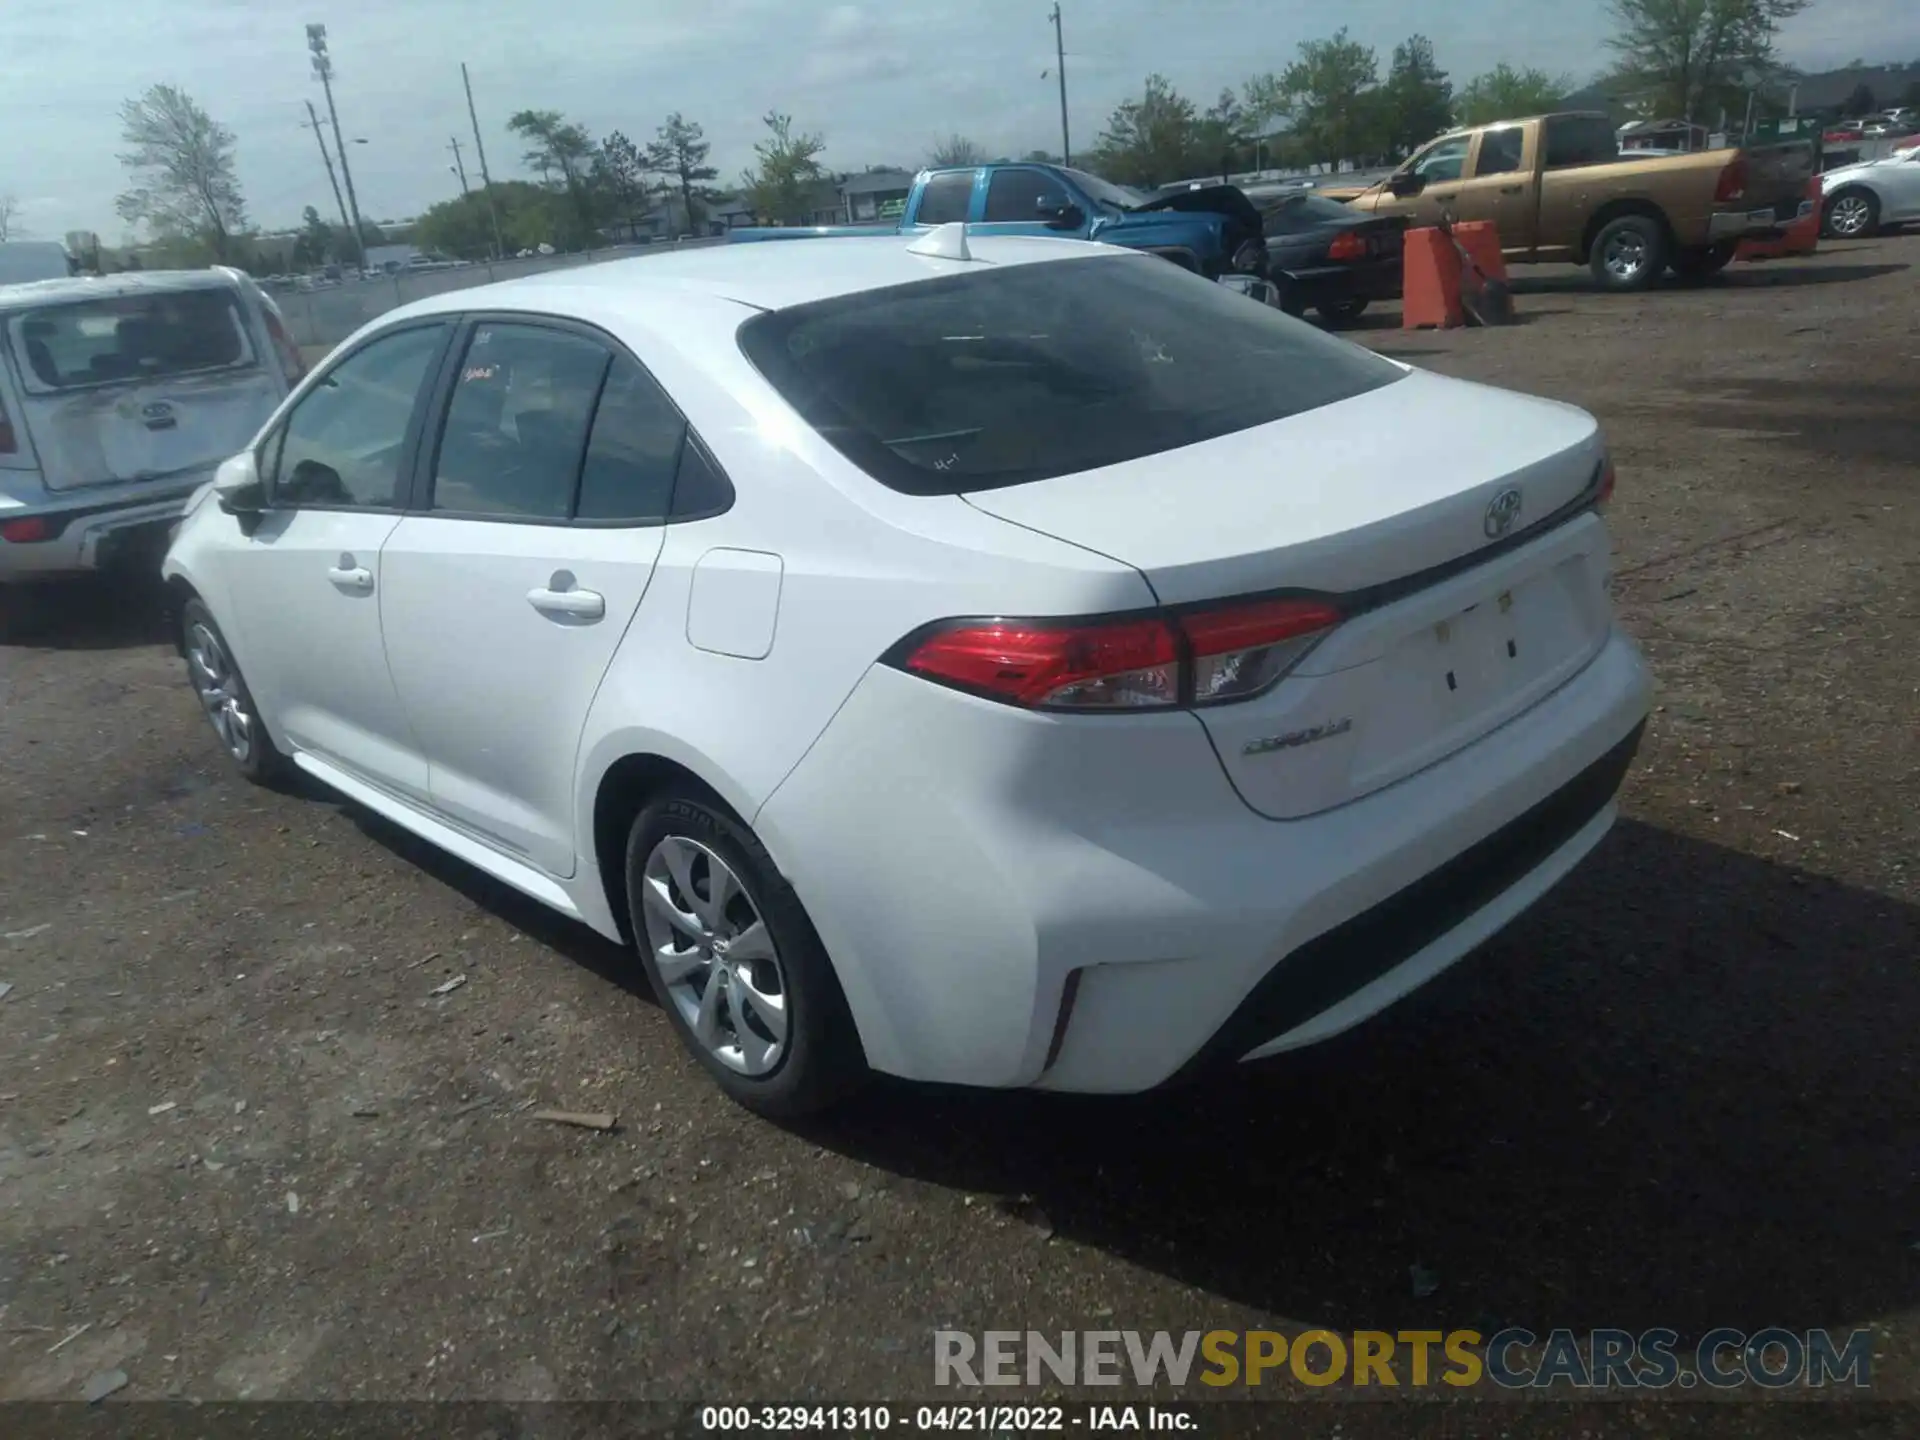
(1295, 213)
(129, 337)
(1018, 373)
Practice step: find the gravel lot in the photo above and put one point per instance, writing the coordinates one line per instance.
(245, 1142)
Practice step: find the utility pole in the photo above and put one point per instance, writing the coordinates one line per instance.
(486, 180)
(459, 168)
(323, 68)
(320, 139)
(1060, 56)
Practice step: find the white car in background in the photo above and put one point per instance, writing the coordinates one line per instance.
(119, 397)
(1011, 662)
(1859, 199)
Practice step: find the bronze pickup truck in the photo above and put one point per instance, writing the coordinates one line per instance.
(1560, 189)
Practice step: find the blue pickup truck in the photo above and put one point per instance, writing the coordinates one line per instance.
(1214, 231)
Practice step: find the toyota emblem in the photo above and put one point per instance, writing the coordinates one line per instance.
(1502, 511)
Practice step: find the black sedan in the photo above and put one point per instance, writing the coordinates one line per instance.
(1336, 260)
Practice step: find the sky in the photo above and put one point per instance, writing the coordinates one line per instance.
(881, 83)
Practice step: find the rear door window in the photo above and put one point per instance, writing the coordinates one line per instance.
(516, 428)
(1016, 373)
(945, 198)
(130, 338)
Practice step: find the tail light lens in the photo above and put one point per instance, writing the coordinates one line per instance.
(290, 362)
(1733, 181)
(1347, 246)
(1605, 492)
(24, 532)
(1199, 657)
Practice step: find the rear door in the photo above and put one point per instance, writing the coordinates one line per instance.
(537, 519)
(1502, 187)
(145, 384)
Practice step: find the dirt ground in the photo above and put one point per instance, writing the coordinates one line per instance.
(248, 1149)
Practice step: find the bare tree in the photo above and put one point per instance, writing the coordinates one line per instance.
(180, 160)
(954, 152)
(9, 207)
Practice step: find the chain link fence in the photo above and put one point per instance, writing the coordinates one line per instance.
(328, 313)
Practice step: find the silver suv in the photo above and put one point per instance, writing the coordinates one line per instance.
(119, 397)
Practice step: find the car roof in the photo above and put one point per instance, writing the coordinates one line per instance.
(107, 287)
(764, 275)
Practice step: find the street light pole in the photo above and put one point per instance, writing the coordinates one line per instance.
(1060, 57)
(480, 149)
(323, 67)
(320, 139)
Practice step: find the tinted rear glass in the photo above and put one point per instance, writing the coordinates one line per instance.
(1298, 213)
(1010, 374)
(129, 337)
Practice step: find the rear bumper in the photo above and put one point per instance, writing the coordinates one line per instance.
(88, 535)
(1334, 284)
(970, 867)
(1767, 220)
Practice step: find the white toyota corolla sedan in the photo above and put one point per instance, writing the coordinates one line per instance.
(1011, 662)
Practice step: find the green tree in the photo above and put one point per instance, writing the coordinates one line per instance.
(1697, 56)
(1417, 98)
(780, 187)
(558, 147)
(1504, 93)
(1861, 101)
(1329, 97)
(619, 174)
(530, 215)
(1040, 157)
(679, 154)
(181, 164)
(955, 151)
(314, 244)
(1154, 140)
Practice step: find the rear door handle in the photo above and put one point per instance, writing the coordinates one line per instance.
(1511, 189)
(575, 604)
(356, 579)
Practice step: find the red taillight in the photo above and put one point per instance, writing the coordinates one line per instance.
(1733, 181)
(1202, 657)
(1606, 485)
(290, 361)
(24, 532)
(1347, 246)
(1128, 665)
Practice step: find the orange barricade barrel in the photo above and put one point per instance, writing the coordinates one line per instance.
(1802, 237)
(1430, 282)
(1481, 240)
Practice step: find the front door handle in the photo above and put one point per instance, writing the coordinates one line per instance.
(574, 604)
(1511, 189)
(355, 579)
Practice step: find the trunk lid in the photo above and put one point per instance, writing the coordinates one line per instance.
(1461, 612)
(139, 386)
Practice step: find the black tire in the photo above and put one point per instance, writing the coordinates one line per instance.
(1290, 301)
(1629, 253)
(1704, 262)
(1342, 312)
(1857, 202)
(262, 762)
(822, 1062)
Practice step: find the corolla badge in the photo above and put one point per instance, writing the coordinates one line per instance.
(1502, 511)
(1295, 738)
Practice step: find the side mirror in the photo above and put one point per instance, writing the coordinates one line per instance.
(237, 485)
(1059, 212)
(1407, 183)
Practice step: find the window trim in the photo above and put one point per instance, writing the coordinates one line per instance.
(1520, 166)
(419, 485)
(275, 439)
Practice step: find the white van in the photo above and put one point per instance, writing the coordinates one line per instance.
(119, 397)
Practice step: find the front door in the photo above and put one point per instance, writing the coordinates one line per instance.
(306, 585)
(1012, 205)
(1441, 166)
(508, 591)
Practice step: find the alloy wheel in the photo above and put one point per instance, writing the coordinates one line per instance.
(1625, 255)
(715, 956)
(1850, 215)
(217, 683)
